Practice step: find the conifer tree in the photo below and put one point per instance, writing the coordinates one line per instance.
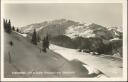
(47, 41)
(38, 38)
(44, 44)
(9, 26)
(17, 30)
(4, 24)
(34, 37)
(13, 28)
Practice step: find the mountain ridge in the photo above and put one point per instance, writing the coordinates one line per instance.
(72, 29)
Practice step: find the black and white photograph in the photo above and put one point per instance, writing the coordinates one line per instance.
(63, 40)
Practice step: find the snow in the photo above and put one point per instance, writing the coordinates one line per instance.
(28, 29)
(88, 33)
(26, 57)
(24, 35)
(101, 76)
(114, 39)
(118, 28)
(82, 31)
(85, 24)
(110, 66)
(91, 69)
(38, 29)
(31, 28)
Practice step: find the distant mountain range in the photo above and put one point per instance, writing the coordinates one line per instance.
(72, 29)
(76, 35)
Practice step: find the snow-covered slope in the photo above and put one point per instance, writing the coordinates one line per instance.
(57, 27)
(39, 26)
(82, 31)
(31, 27)
(109, 65)
(26, 60)
(90, 30)
(116, 28)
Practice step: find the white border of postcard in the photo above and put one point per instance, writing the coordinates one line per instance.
(123, 2)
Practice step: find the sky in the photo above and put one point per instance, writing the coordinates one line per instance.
(106, 14)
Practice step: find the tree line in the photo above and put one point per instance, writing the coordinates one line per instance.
(36, 38)
(8, 28)
(7, 25)
(91, 44)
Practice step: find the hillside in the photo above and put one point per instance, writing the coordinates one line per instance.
(26, 59)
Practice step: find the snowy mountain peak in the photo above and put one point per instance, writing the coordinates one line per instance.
(39, 26)
(72, 29)
(86, 31)
(31, 27)
(83, 31)
(116, 28)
